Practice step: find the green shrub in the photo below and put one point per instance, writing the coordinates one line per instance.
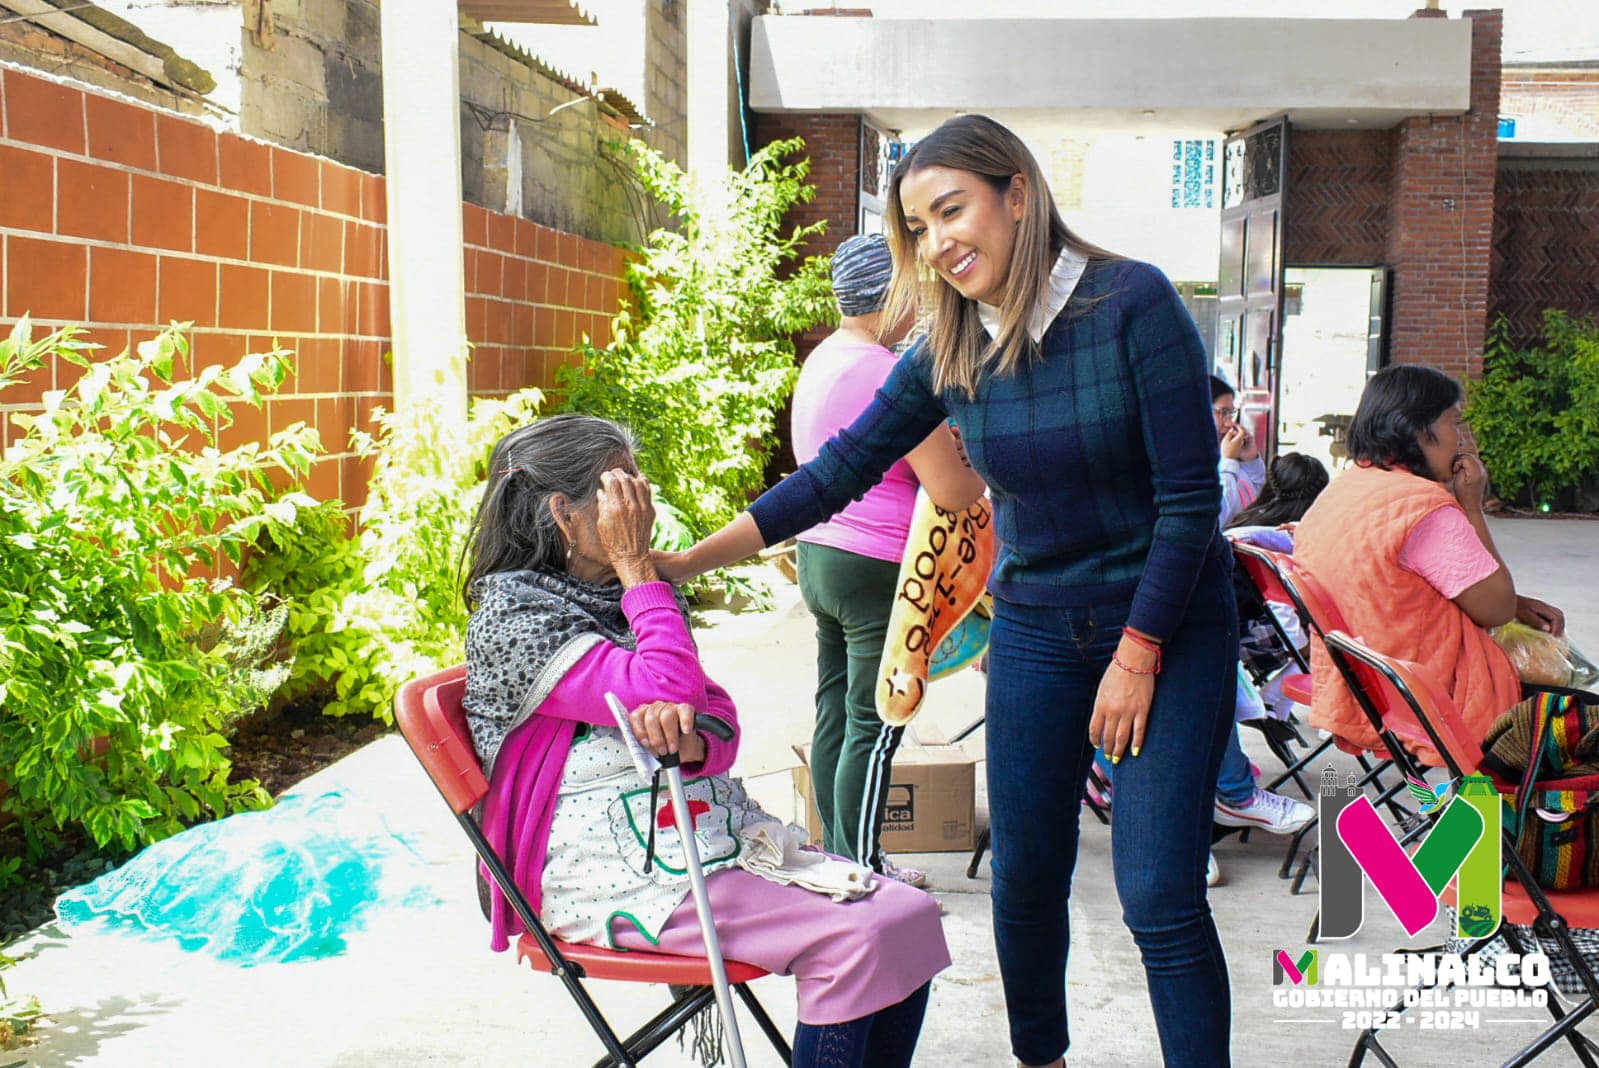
(371, 610)
(1535, 411)
(703, 360)
(112, 647)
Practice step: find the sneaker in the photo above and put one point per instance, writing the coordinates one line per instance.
(1266, 810)
(908, 876)
(1212, 871)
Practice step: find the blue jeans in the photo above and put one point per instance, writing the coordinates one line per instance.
(1045, 663)
(1235, 783)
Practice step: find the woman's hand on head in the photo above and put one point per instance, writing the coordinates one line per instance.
(1541, 615)
(665, 727)
(626, 518)
(1470, 481)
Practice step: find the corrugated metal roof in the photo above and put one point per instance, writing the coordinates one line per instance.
(547, 12)
(612, 103)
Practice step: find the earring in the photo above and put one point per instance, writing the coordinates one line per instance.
(571, 547)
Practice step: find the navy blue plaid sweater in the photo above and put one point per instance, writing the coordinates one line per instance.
(1100, 454)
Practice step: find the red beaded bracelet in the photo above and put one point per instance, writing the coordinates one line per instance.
(1119, 662)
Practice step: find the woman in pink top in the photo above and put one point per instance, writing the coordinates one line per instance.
(848, 566)
(567, 607)
(1401, 544)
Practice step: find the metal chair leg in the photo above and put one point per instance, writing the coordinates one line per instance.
(764, 1022)
(977, 854)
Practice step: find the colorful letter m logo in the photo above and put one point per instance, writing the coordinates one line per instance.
(1464, 841)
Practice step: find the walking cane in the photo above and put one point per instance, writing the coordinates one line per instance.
(647, 764)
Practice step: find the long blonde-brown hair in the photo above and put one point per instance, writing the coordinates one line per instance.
(961, 349)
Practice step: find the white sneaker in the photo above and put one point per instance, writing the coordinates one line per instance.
(1212, 871)
(1266, 810)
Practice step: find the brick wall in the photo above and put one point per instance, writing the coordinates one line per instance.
(1338, 197)
(1441, 217)
(1418, 198)
(124, 218)
(1565, 96)
(833, 144)
(1546, 243)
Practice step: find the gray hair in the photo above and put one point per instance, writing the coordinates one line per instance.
(515, 527)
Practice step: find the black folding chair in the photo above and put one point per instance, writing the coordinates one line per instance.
(1413, 714)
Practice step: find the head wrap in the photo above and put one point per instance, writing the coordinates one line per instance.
(862, 267)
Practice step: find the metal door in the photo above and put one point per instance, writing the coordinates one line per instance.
(1249, 278)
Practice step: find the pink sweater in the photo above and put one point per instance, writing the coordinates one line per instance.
(520, 805)
(838, 381)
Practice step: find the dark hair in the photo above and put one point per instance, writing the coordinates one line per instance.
(1398, 405)
(1219, 388)
(1292, 483)
(514, 528)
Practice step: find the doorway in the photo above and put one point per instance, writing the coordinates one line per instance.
(1334, 338)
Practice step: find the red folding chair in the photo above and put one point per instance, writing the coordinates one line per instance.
(1322, 616)
(1260, 567)
(1416, 717)
(429, 713)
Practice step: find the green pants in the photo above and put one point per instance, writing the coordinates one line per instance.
(852, 751)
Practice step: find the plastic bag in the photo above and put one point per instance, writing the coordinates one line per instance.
(280, 885)
(1538, 656)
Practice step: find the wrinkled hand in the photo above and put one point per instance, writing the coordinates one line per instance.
(1541, 614)
(1121, 712)
(665, 727)
(1238, 444)
(1470, 482)
(626, 518)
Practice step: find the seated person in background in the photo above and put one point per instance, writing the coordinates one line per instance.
(1241, 469)
(1292, 485)
(1401, 545)
(566, 606)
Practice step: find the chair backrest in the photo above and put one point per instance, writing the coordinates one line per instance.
(429, 713)
(1409, 707)
(1263, 571)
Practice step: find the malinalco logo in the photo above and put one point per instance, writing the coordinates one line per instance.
(1463, 842)
(1303, 969)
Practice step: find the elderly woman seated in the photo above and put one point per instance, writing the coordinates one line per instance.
(1400, 543)
(567, 607)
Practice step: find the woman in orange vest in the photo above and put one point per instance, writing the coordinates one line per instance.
(1400, 543)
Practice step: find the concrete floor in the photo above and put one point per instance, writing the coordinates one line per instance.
(422, 988)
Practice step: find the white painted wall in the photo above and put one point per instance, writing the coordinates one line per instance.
(1204, 73)
(1126, 207)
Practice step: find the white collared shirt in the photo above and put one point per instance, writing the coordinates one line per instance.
(1063, 278)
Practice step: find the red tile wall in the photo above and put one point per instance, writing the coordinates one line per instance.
(124, 218)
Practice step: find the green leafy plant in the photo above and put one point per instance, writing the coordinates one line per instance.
(114, 646)
(17, 1014)
(1535, 410)
(372, 609)
(703, 358)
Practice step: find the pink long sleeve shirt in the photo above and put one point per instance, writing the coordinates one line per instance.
(523, 787)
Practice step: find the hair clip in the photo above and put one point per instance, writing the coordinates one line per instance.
(509, 470)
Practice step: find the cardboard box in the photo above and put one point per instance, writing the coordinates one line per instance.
(931, 805)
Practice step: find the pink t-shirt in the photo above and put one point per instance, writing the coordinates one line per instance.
(836, 384)
(1445, 550)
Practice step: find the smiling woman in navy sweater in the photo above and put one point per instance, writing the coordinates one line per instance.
(1080, 388)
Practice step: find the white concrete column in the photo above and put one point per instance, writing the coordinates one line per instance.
(715, 138)
(422, 154)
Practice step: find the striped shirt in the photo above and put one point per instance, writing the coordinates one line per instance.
(1100, 454)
